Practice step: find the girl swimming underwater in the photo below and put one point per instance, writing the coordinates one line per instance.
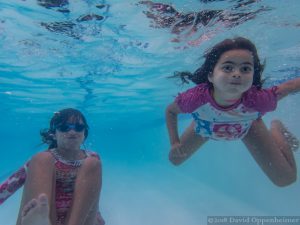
(228, 104)
(62, 183)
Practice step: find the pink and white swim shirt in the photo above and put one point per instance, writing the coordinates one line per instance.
(230, 123)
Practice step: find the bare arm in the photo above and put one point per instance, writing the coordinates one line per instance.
(289, 87)
(171, 118)
(181, 148)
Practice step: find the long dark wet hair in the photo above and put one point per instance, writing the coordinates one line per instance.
(213, 55)
(59, 118)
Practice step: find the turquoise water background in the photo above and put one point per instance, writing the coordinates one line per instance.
(115, 71)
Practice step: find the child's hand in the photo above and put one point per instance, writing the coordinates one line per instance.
(177, 154)
(177, 151)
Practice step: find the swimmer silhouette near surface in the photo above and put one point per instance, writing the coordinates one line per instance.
(72, 27)
(194, 28)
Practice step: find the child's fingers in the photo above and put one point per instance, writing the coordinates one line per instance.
(179, 152)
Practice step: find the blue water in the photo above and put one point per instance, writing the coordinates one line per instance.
(115, 71)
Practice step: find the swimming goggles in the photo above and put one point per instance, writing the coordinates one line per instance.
(70, 126)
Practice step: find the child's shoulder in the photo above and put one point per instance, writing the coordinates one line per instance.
(193, 98)
(259, 92)
(42, 156)
(91, 153)
(199, 89)
(263, 100)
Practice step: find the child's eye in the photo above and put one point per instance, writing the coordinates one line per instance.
(227, 68)
(246, 69)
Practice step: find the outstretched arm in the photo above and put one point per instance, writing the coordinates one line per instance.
(289, 87)
(13, 183)
(189, 142)
(171, 118)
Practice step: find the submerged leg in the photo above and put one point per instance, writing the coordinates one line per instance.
(86, 193)
(284, 136)
(40, 180)
(36, 211)
(190, 142)
(272, 150)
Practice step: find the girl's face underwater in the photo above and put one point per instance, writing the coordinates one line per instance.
(70, 134)
(232, 76)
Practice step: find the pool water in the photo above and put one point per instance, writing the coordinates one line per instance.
(111, 61)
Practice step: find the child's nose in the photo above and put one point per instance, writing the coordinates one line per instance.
(236, 75)
(72, 131)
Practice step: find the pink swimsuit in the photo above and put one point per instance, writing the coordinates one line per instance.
(230, 123)
(66, 172)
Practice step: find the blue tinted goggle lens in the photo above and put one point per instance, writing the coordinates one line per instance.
(68, 126)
